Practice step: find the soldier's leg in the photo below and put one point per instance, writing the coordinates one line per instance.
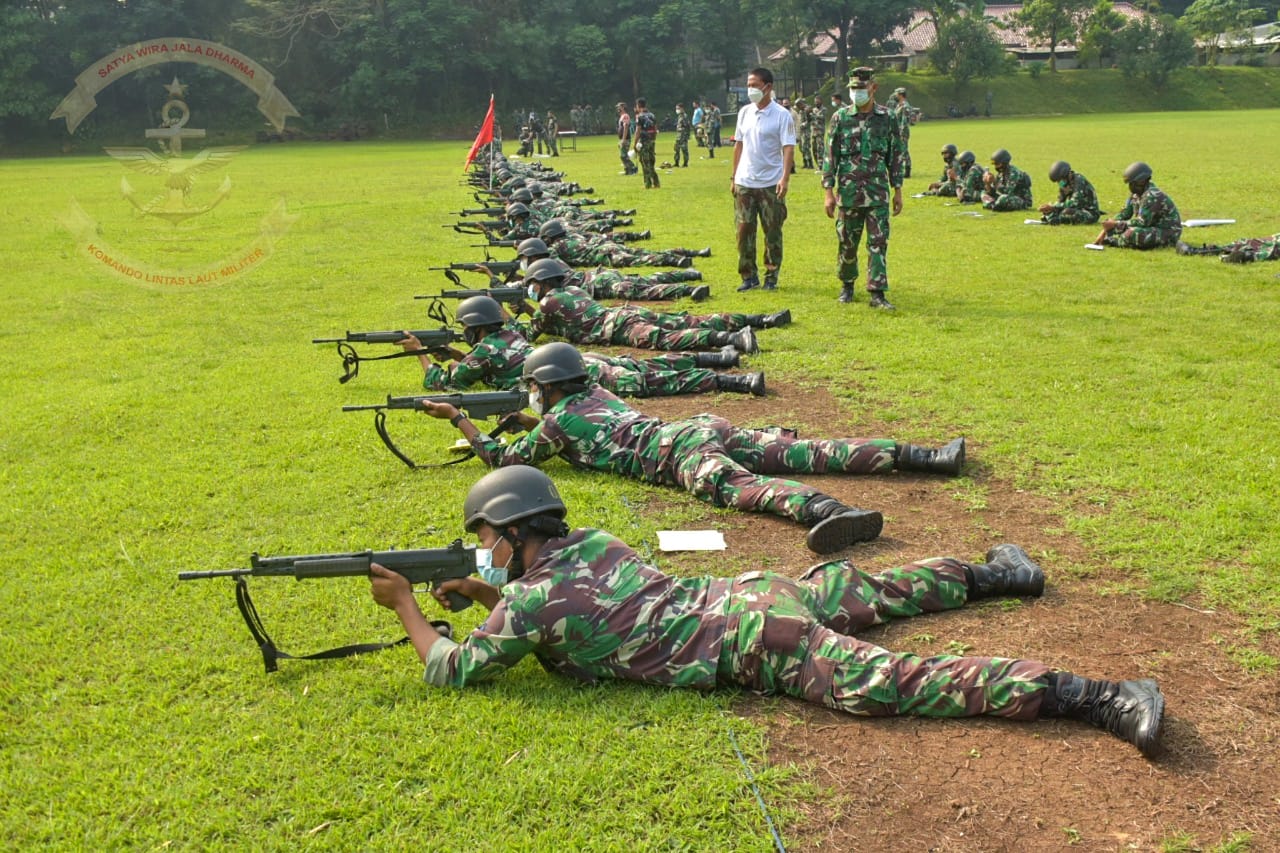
(846, 600)
(1075, 216)
(671, 361)
(746, 211)
(635, 332)
(671, 383)
(769, 453)
(877, 249)
(849, 225)
(773, 213)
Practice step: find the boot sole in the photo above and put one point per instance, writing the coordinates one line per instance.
(841, 531)
(1014, 555)
(1147, 736)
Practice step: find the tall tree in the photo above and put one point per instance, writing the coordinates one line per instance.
(1098, 34)
(858, 27)
(966, 48)
(1052, 22)
(1210, 20)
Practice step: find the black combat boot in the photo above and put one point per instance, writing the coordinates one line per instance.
(703, 253)
(1203, 249)
(770, 321)
(743, 383)
(835, 526)
(621, 222)
(945, 460)
(846, 294)
(878, 301)
(1009, 570)
(687, 275)
(726, 357)
(1237, 256)
(700, 293)
(683, 262)
(743, 340)
(1130, 710)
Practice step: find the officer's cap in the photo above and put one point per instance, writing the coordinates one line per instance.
(861, 76)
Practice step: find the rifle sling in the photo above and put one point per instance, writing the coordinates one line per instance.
(271, 654)
(380, 424)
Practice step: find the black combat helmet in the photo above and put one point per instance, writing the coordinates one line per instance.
(479, 311)
(1001, 157)
(1059, 171)
(1137, 172)
(546, 269)
(950, 148)
(508, 495)
(532, 247)
(555, 362)
(552, 229)
(535, 188)
(517, 209)
(966, 158)
(522, 195)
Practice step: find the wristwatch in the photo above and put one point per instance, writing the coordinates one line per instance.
(458, 418)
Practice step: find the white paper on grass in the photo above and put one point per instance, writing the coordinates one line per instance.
(1032, 222)
(1095, 246)
(690, 540)
(1200, 223)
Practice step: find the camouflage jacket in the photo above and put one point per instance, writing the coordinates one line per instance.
(497, 360)
(683, 126)
(969, 185)
(597, 431)
(864, 157)
(1014, 182)
(571, 313)
(582, 250)
(590, 608)
(1077, 194)
(1152, 209)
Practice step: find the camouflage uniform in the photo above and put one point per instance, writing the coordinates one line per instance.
(497, 360)
(1012, 190)
(946, 186)
(901, 110)
(1254, 248)
(589, 608)
(580, 250)
(660, 376)
(804, 135)
(646, 133)
(1148, 221)
(864, 160)
(604, 283)
(683, 128)
(1077, 203)
(970, 185)
(571, 314)
(706, 455)
(817, 134)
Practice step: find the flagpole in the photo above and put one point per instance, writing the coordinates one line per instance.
(491, 148)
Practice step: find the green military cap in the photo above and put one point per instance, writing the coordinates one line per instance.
(900, 91)
(861, 76)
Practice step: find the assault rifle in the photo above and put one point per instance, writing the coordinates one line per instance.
(478, 406)
(510, 295)
(496, 267)
(482, 211)
(481, 227)
(419, 566)
(432, 339)
(506, 244)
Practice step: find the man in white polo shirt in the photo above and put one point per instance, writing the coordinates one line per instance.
(763, 158)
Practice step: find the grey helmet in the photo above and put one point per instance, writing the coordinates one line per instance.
(522, 195)
(966, 158)
(1059, 171)
(552, 229)
(1001, 157)
(479, 311)
(951, 149)
(555, 362)
(1137, 172)
(509, 495)
(535, 188)
(517, 209)
(547, 269)
(531, 247)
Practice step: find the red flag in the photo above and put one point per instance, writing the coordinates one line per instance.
(484, 137)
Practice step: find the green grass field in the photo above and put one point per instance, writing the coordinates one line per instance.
(149, 429)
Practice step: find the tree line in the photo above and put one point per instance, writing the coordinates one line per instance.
(424, 64)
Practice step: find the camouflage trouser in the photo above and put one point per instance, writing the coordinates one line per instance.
(1069, 216)
(945, 188)
(819, 149)
(663, 376)
(652, 288)
(805, 143)
(1256, 248)
(680, 320)
(682, 147)
(1005, 202)
(635, 332)
(728, 466)
(748, 206)
(793, 637)
(1125, 237)
(648, 156)
(849, 224)
(627, 165)
(906, 162)
(617, 255)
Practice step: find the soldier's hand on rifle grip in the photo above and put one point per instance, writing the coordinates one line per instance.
(518, 421)
(472, 588)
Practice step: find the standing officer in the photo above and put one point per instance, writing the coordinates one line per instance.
(864, 159)
(683, 128)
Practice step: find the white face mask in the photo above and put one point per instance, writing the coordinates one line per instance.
(755, 95)
(489, 573)
(532, 290)
(535, 400)
(524, 265)
(859, 96)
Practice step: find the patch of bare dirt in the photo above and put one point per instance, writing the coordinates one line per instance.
(985, 784)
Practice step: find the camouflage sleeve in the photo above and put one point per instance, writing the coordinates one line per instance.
(829, 157)
(545, 441)
(897, 145)
(491, 649)
(1127, 213)
(435, 378)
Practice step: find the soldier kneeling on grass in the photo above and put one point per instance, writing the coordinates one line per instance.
(761, 631)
